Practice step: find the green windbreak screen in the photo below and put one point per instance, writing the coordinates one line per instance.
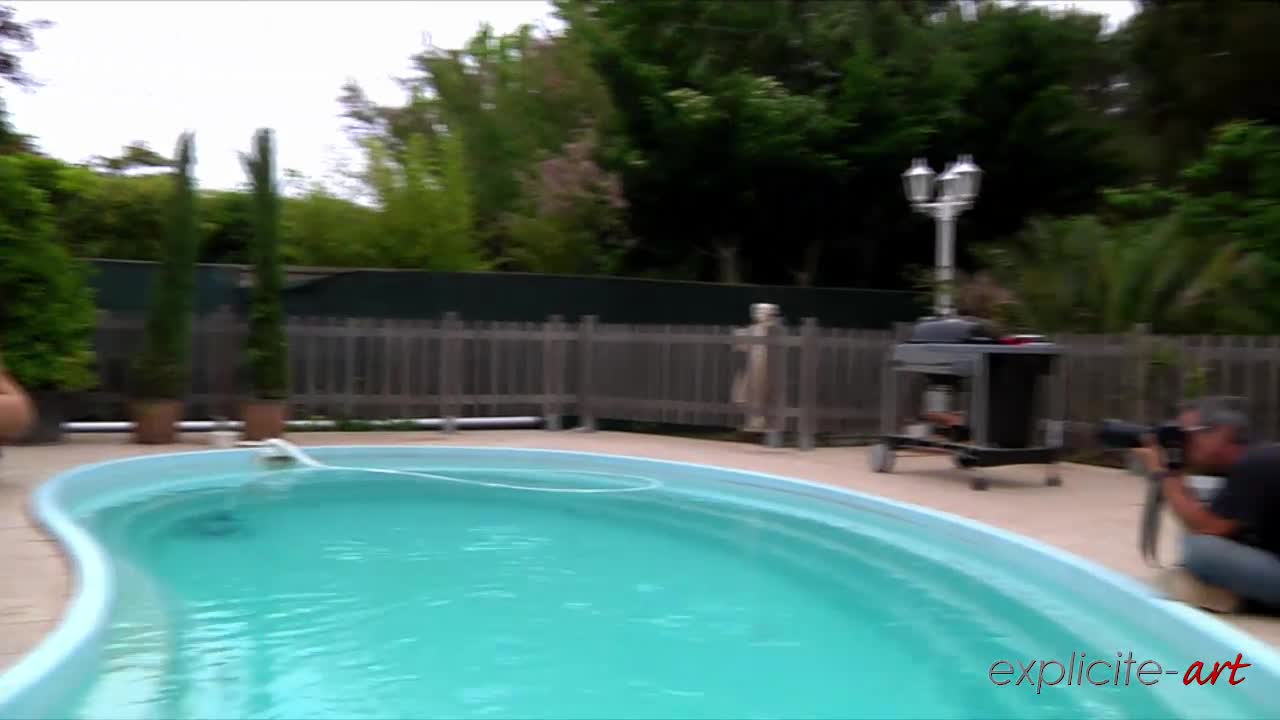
(123, 286)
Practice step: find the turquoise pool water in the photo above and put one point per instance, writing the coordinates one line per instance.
(354, 594)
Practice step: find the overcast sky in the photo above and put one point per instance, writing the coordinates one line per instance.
(116, 72)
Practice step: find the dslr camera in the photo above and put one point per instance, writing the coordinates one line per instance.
(1170, 436)
(1124, 435)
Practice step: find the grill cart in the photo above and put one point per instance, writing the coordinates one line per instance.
(1010, 383)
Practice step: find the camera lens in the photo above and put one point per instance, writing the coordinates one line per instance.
(1121, 434)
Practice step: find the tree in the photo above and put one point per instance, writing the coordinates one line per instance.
(122, 216)
(1035, 114)
(511, 101)
(426, 219)
(1081, 275)
(1233, 189)
(12, 141)
(1229, 194)
(1194, 256)
(573, 221)
(17, 37)
(320, 228)
(110, 216)
(762, 141)
(162, 369)
(267, 346)
(134, 157)
(717, 158)
(1194, 65)
(226, 226)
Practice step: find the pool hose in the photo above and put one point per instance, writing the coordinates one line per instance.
(280, 453)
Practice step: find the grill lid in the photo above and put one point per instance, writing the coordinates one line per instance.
(953, 330)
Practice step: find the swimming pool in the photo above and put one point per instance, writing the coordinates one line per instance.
(539, 584)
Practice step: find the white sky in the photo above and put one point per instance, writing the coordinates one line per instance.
(116, 72)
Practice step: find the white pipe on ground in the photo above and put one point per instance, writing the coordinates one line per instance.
(474, 423)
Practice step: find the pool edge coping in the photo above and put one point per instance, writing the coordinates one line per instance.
(85, 614)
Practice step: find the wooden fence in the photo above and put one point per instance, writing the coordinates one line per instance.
(830, 379)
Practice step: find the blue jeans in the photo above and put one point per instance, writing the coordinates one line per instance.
(1247, 571)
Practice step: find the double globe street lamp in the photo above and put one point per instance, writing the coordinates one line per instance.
(958, 185)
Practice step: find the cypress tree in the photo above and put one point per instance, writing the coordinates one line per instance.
(162, 369)
(267, 346)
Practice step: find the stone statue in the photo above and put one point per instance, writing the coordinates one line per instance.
(751, 385)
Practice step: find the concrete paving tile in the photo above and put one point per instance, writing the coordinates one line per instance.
(19, 612)
(17, 637)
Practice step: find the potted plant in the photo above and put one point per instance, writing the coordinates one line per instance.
(161, 372)
(265, 411)
(47, 316)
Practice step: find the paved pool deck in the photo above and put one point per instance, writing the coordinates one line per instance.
(1094, 514)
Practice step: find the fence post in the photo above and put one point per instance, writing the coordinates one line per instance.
(222, 335)
(1272, 427)
(108, 393)
(1140, 349)
(776, 363)
(448, 371)
(586, 353)
(350, 331)
(552, 371)
(892, 384)
(808, 400)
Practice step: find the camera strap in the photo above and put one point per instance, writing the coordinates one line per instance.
(1149, 529)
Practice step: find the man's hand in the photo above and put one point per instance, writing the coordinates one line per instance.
(1195, 515)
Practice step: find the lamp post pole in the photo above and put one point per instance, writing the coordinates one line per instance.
(944, 259)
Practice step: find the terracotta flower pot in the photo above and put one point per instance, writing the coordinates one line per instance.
(156, 421)
(264, 419)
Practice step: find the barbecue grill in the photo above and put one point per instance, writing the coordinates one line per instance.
(1015, 398)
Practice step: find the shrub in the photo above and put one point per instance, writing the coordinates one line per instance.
(46, 307)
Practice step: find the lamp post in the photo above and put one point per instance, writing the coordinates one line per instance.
(959, 183)
(959, 188)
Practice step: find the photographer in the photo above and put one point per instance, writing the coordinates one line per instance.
(15, 407)
(1233, 542)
